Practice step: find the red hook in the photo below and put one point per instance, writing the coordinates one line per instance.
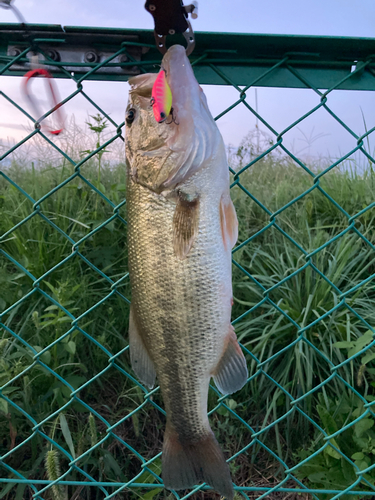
(56, 104)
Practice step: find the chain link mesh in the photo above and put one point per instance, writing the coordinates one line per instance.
(75, 475)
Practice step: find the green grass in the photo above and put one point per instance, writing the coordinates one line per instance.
(269, 258)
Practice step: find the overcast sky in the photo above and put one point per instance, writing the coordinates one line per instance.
(318, 17)
(279, 106)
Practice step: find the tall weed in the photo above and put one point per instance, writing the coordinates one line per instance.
(269, 257)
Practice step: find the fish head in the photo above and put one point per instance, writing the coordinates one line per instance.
(145, 138)
(162, 155)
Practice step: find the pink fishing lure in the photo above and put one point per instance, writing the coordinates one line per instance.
(161, 98)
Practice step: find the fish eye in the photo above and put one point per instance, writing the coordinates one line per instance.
(130, 115)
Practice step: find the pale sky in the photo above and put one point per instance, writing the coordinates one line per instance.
(280, 106)
(306, 17)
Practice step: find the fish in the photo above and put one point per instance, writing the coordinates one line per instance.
(182, 226)
(161, 97)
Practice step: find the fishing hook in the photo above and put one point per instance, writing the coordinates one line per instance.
(173, 118)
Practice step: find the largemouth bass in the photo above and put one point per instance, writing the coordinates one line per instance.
(182, 226)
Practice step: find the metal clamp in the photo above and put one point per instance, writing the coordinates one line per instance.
(171, 17)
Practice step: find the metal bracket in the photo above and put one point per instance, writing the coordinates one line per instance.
(80, 59)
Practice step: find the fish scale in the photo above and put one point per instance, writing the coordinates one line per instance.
(174, 305)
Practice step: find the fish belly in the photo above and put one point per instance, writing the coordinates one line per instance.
(182, 306)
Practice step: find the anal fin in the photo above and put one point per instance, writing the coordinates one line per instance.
(231, 372)
(185, 224)
(139, 357)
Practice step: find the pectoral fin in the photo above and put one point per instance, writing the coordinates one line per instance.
(229, 223)
(139, 357)
(231, 372)
(185, 224)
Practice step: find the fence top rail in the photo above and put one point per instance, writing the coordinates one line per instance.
(322, 60)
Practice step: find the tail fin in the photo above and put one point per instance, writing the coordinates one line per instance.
(188, 463)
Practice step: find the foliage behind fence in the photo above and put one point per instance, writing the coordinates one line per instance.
(242, 63)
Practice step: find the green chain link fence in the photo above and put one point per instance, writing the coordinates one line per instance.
(242, 62)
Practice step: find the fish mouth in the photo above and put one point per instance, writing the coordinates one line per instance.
(180, 77)
(174, 57)
(141, 85)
